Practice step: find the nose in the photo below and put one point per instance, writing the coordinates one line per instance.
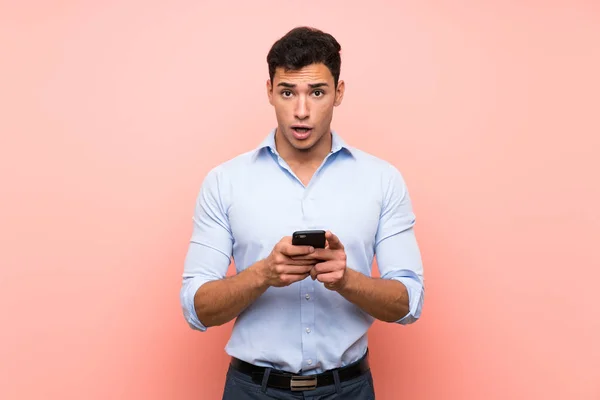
(301, 112)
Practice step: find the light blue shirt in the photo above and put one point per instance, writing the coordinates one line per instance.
(247, 204)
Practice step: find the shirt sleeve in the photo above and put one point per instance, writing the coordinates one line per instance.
(209, 252)
(397, 252)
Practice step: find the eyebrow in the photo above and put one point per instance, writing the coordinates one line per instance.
(311, 85)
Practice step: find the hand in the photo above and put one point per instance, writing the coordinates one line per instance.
(331, 263)
(287, 263)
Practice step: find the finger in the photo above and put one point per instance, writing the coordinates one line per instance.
(313, 274)
(333, 241)
(293, 261)
(310, 257)
(296, 269)
(289, 279)
(291, 250)
(322, 255)
(330, 277)
(307, 264)
(326, 267)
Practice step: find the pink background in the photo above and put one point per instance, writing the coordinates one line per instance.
(112, 112)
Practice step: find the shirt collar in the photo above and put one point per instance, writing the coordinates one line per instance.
(337, 143)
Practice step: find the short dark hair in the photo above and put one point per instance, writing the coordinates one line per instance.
(303, 46)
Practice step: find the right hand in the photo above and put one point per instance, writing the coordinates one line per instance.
(280, 269)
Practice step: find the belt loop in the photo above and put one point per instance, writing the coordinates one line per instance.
(265, 379)
(336, 380)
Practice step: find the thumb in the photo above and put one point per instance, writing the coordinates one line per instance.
(333, 241)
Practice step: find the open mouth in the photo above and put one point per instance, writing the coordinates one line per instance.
(301, 132)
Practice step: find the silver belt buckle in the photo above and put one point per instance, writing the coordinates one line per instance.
(300, 383)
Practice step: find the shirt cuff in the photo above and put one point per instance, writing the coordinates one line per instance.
(415, 299)
(188, 291)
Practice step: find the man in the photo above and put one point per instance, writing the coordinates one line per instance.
(302, 314)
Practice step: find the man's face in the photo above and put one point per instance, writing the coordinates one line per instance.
(304, 100)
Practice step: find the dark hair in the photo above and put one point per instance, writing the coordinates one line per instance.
(303, 46)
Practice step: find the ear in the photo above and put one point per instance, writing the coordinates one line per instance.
(339, 93)
(270, 91)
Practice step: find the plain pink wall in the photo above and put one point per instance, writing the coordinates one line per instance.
(111, 113)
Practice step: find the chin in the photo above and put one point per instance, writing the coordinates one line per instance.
(305, 144)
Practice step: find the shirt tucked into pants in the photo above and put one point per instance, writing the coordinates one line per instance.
(246, 206)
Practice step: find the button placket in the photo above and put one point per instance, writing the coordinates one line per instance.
(307, 315)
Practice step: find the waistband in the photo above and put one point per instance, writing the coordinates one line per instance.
(285, 380)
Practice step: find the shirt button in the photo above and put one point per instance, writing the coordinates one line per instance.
(307, 296)
(309, 362)
(307, 330)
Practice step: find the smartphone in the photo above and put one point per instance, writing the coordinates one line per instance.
(314, 238)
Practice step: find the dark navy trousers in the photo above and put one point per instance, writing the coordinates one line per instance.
(239, 386)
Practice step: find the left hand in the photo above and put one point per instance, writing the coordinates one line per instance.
(331, 270)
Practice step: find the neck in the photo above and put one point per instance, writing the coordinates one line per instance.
(315, 155)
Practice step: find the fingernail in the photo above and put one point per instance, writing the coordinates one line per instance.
(311, 249)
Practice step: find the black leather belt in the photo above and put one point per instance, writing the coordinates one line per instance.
(285, 380)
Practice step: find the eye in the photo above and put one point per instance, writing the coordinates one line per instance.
(319, 93)
(286, 93)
